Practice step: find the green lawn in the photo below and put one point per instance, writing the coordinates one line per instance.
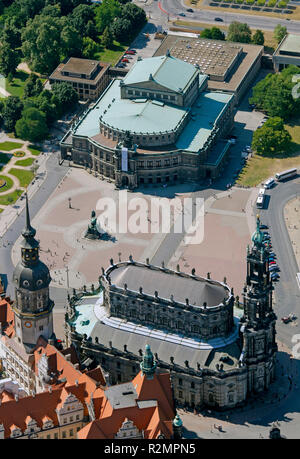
(34, 150)
(111, 55)
(25, 162)
(9, 146)
(10, 198)
(9, 183)
(24, 176)
(259, 168)
(16, 87)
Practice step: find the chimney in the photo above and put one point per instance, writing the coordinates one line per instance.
(76, 382)
(50, 389)
(68, 357)
(16, 397)
(76, 366)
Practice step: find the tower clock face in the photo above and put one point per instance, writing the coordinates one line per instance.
(28, 324)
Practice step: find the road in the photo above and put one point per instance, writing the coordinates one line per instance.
(287, 292)
(161, 11)
(55, 173)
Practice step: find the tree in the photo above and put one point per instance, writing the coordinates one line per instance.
(107, 38)
(9, 59)
(11, 34)
(11, 112)
(29, 86)
(90, 48)
(239, 32)
(80, 17)
(41, 43)
(64, 97)
(32, 126)
(273, 94)
(272, 139)
(106, 13)
(71, 41)
(134, 14)
(258, 38)
(122, 29)
(279, 33)
(214, 33)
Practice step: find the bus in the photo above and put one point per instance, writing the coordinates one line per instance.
(286, 174)
(260, 201)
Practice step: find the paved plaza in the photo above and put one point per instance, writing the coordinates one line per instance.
(74, 260)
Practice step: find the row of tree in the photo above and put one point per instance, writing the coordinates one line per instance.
(31, 116)
(239, 32)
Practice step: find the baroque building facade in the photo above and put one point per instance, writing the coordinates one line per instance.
(159, 124)
(215, 359)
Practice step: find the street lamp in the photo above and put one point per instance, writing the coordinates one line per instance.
(67, 271)
(70, 205)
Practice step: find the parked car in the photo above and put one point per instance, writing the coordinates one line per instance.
(263, 227)
(181, 14)
(190, 10)
(286, 319)
(130, 51)
(125, 60)
(274, 268)
(219, 19)
(273, 254)
(272, 263)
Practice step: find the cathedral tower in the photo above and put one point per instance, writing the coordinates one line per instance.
(258, 321)
(32, 307)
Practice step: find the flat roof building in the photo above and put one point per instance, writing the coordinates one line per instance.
(88, 77)
(287, 52)
(230, 67)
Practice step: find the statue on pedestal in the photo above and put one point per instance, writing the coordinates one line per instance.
(92, 231)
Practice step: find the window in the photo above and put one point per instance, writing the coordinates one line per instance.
(192, 385)
(56, 436)
(71, 418)
(71, 433)
(48, 437)
(180, 382)
(41, 328)
(64, 435)
(180, 394)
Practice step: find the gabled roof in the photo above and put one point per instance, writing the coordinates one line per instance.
(167, 71)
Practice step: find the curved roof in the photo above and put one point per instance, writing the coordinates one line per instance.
(31, 278)
(196, 290)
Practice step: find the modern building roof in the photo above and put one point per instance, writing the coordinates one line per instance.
(76, 67)
(213, 57)
(227, 64)
(197, 291)
(167, 71)
(290, 45)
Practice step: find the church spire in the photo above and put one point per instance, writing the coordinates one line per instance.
(28, 231)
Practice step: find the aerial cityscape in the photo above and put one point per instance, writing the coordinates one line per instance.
(149, 222)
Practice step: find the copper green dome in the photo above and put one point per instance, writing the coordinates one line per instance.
(177, 422)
